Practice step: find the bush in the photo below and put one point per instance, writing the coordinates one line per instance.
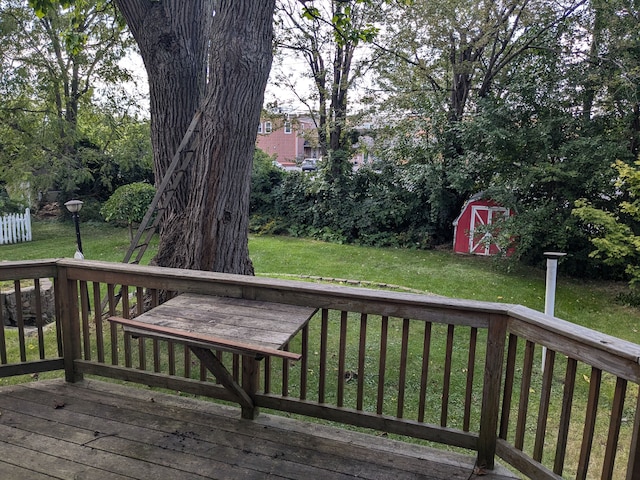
(128, 204)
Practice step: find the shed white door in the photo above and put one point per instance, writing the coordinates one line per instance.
(481, 243)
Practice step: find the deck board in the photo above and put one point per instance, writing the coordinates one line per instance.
(94, 429)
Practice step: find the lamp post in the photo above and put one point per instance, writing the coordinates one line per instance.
(74, 207)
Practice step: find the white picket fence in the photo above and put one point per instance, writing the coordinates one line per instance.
(15, 227)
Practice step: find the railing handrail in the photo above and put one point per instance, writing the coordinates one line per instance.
(467, 312)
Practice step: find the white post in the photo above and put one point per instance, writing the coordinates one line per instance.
(550, 292)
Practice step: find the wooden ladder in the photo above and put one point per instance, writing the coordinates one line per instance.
(171, 179)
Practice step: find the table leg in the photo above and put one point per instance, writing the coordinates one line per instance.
(215, 366)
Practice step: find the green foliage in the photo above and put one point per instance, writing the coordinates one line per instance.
(265, 178)
(7, 205)
(616, 234)
(530, 151)
(387, 207)
(129, 203)
(64, 118)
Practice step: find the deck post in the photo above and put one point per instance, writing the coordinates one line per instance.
(488, 435)
(68, 310)
(633, 468)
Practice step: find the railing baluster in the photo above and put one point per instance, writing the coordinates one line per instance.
(39, 319)
(139, 301)
(58, 294)
(362, 353)
(426, 352)
(543, 411)
(341, 358)
(126, 310)
(285, 373)
(154, 298)
(113, 327)
(142, 343)
(471, 362)
(589, 423)
(124, 293)
(508, 386)
(525, 387)
(20, 321)
(84, 308)
(142, 353)
(402, 378)
(322, 379)
(384, 334)
(156, 355)
(565, 415)
(3, 342)
(187, 362)
(236, 367)
(97, 320)
(171, 352)
(127, 350)
(614, 427)
(446, 381)
(633, 466)
(155, 344)
(267, 375)
(304, 362)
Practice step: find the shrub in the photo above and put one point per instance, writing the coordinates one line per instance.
(128, 204)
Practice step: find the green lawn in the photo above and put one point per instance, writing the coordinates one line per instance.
(587, 303)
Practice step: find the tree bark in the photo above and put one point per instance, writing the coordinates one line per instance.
(172, 37)
(240, 62)
(205, 227)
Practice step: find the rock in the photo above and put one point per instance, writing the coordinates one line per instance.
(9, 305)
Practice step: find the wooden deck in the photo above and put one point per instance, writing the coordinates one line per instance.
(98, 430)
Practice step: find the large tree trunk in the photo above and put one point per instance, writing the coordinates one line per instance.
(206, 226)
(215, 231)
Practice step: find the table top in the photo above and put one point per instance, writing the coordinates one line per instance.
(235, 321)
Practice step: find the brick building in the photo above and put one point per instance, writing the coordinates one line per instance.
(290, 137)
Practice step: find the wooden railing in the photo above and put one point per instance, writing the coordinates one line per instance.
(460, 373)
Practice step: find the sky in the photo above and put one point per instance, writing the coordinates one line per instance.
(282, 95)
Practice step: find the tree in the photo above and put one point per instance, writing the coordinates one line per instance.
(218, 63)
(328, 36)
(52, 66)
(486, 95)
(616, 234)
(532, 144)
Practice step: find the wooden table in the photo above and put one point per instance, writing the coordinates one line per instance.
(206, 323)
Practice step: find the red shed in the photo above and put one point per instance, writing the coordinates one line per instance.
(476, 213)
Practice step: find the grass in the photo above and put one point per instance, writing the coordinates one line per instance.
(588, 303)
